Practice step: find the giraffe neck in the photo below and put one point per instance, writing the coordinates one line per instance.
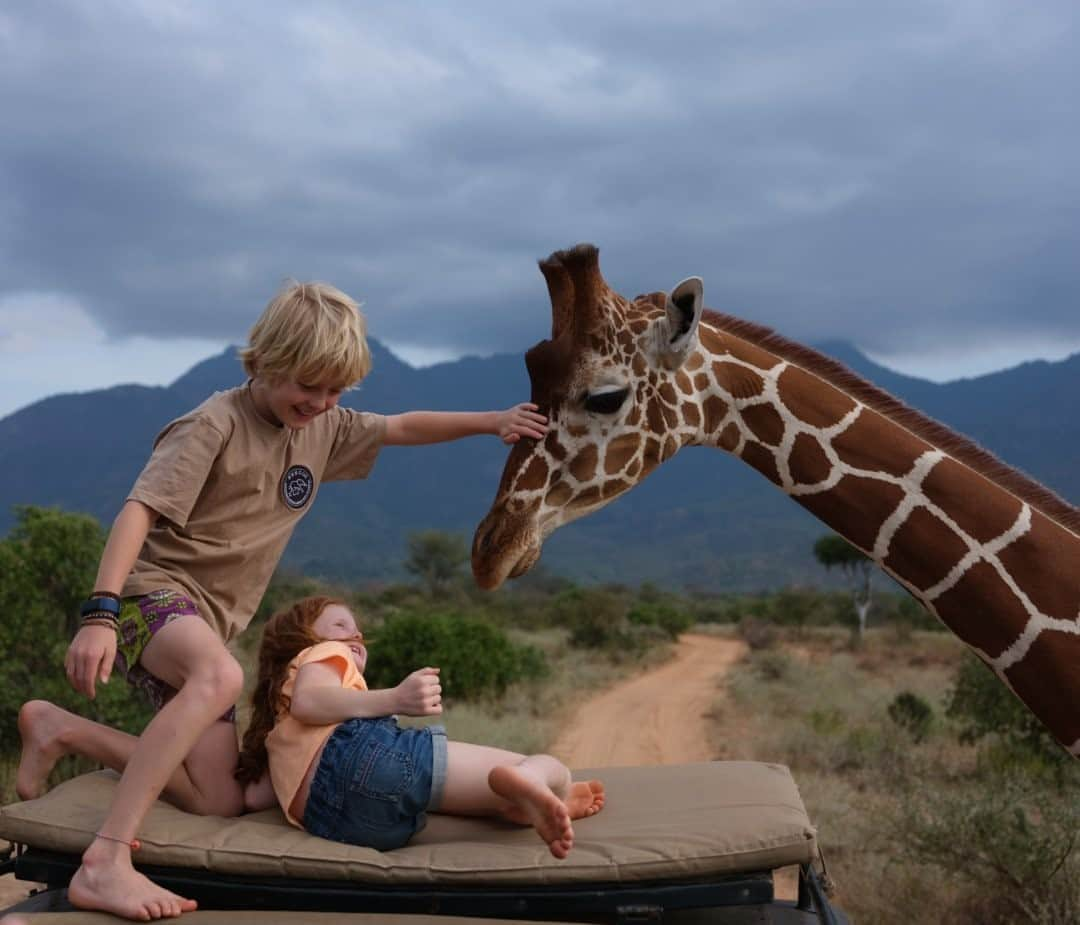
(996, 566)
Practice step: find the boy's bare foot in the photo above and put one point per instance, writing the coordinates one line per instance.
(40, 726)
(118, 888)
(535, 804)
(586, 798)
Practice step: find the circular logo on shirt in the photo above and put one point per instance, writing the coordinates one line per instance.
(297, 486)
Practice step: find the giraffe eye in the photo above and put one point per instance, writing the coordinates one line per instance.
(605, 402)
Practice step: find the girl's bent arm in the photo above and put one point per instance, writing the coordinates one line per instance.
(319, 699)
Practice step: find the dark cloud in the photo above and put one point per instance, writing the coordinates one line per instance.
(899, 174)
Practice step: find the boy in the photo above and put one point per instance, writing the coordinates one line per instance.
(189, 557)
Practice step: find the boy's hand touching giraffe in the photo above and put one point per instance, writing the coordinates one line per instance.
(420, 694)
(524, 420)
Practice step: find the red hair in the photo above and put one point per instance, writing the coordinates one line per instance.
(285, 636)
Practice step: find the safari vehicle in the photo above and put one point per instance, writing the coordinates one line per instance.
(679, 843)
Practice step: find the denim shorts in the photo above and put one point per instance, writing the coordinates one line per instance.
(376, 782)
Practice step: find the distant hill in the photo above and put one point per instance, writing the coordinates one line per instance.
(702, 520)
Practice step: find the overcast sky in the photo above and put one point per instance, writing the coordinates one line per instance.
(899, 174)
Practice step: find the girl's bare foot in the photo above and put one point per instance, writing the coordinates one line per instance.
(41, 725)
(534, 802)
(115, 886)
(586, 798)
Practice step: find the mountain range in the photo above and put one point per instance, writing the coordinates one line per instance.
(703, 520)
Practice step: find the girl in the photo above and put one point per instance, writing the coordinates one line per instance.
(342, 768)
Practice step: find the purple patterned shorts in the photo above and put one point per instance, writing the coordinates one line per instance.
(140, 619)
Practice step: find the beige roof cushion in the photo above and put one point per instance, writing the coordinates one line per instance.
(671, 822)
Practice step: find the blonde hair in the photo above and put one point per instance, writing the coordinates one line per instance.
(311, 333)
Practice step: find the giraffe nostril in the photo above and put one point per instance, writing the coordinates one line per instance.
(483, 539)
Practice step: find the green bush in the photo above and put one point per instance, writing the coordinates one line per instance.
(662, 615)
(758, 633)
(1009, 842)
(49, 562)
(596, 618)
(475, 658)
(772, 665)
(984, 707)
(912, 714)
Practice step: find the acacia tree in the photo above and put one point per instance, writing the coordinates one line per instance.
(436, 558)
(833, 550)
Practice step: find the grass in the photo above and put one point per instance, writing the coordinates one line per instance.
(905, 826)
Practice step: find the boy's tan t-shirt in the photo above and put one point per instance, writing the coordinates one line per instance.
(292, 745)
(229, 487)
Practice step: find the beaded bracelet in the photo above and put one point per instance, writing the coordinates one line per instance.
(100, 615)
(100, 621)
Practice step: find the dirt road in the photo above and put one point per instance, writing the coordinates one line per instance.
(660, 718)
(656, 718)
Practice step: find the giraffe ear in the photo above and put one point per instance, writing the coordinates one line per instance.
(679, 328)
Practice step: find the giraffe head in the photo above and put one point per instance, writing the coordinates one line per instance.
(618, 402)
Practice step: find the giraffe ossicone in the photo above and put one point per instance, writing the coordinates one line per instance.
(627, 383)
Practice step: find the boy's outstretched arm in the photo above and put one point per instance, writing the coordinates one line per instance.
(418, 427)
(89, 658)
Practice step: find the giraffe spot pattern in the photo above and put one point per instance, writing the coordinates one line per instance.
(808, 463)
(762, 460)
(765, 423)
(752, 354)
(691, 415)
(614, 487)
(534, 476)
(558, 495)
(654, 417)
(982, 514)
(552, 445)
(924, 550)
(715, 409)
(874, 444)
(741, 382)
(619, 452)
(729, 436)
(855, 507)
(586, 496)
(1049, 668)
(711, 340)
(958, 607)
(1042, 555)
(583, 466)
(812, 401)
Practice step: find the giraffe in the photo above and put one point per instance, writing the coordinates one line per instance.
(626, 384)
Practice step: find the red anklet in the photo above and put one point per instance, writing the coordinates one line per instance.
(134, 844)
